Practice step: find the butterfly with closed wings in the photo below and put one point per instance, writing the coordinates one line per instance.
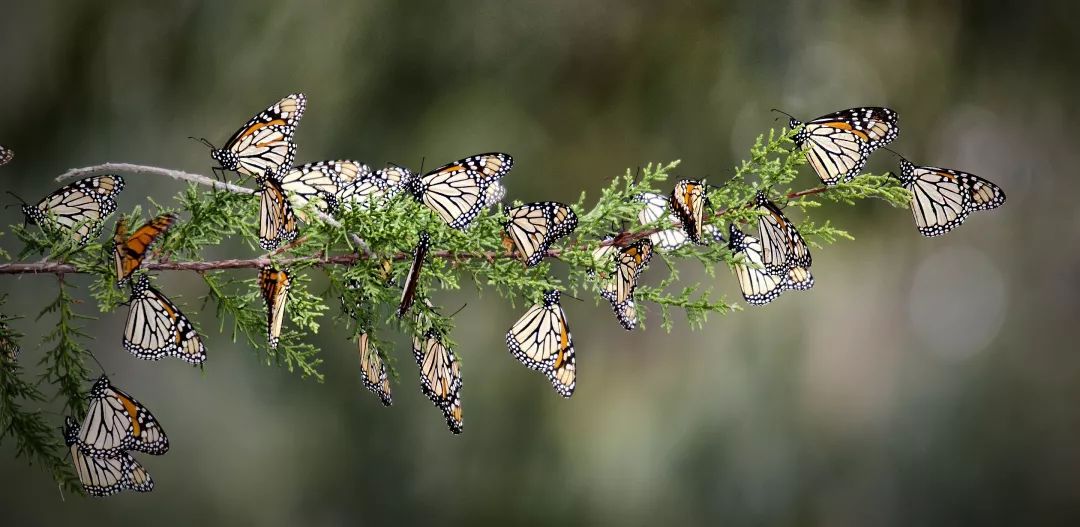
(630, 261)
(838, 144)
(115, 423)
(264, 146)
(533, 227)
(782, 246)
(458, 191)
(759, 286)
(129, 250)
(440, 376)
(104, 476)
(942, 198)
(78, 209)
(274, 285)
(541, 341)
(156, 328)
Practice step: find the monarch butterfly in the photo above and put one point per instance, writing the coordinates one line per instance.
(840, 142)
(759, 287)
(80, 207)
(541, 340)
(322, 182)
(688, 202)
(458, 191)
(408, 292)
(156, 328)
(782, 245)
(274, 285)
(115, 422)
(263, 147)
(383, 184)
(657, 208)
(629, 263)
(941, 198)
(440, 376)
(129, 251)
(104, 476)
(373, 370)
(277, 224)
(6, 155)
(533, 227)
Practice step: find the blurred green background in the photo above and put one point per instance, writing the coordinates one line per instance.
(921, 382)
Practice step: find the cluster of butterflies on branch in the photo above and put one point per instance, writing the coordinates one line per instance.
(774, 259)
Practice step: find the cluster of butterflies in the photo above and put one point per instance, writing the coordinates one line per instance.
(115, 425)
(770, 261)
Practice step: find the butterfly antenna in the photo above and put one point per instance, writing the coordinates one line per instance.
(571, 296)
(894, 152)
(16, 196)
(458, 310)
(92, 356)
(783, 112)
(203, 141)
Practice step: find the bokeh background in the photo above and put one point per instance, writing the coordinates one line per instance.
(921, 382)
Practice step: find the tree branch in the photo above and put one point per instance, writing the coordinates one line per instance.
(60, 268)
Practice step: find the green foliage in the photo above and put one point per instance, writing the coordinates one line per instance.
(364, 260)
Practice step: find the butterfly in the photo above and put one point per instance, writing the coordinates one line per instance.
(322, 182)
(373, 369)
(440, 376)
(79, 208)
(264, 146)
(629, 262)
(839, 143)
(383, 184)
(9, 348)
(688, 202)
(656, 209)
(6, 155)
(104, 476)
(782, 245)
(533, 227)
(458, 191)
(408, 292)
(759, 287)
(129, 251)
(274, 285)
(941, 198)
(156, 328)
(541, 341)
(115, 422)
(277, 223)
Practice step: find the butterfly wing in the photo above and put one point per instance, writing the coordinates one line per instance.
(541, 340)
(264, 145)
(277, 223)
(373, 370)
(839, 143)
(440, 377)
(629, 263)
(782, 245)
(655, 210)
(78, 208)
(129, 251)
(274, 285)
(457, 192)
(939, 201)
(759, 287)
(156, 328)
(321, 182)
(104, 476)
(6, 155)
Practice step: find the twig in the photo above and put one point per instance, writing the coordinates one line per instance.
(128, 168)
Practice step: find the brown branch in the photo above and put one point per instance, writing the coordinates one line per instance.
(59, 268)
